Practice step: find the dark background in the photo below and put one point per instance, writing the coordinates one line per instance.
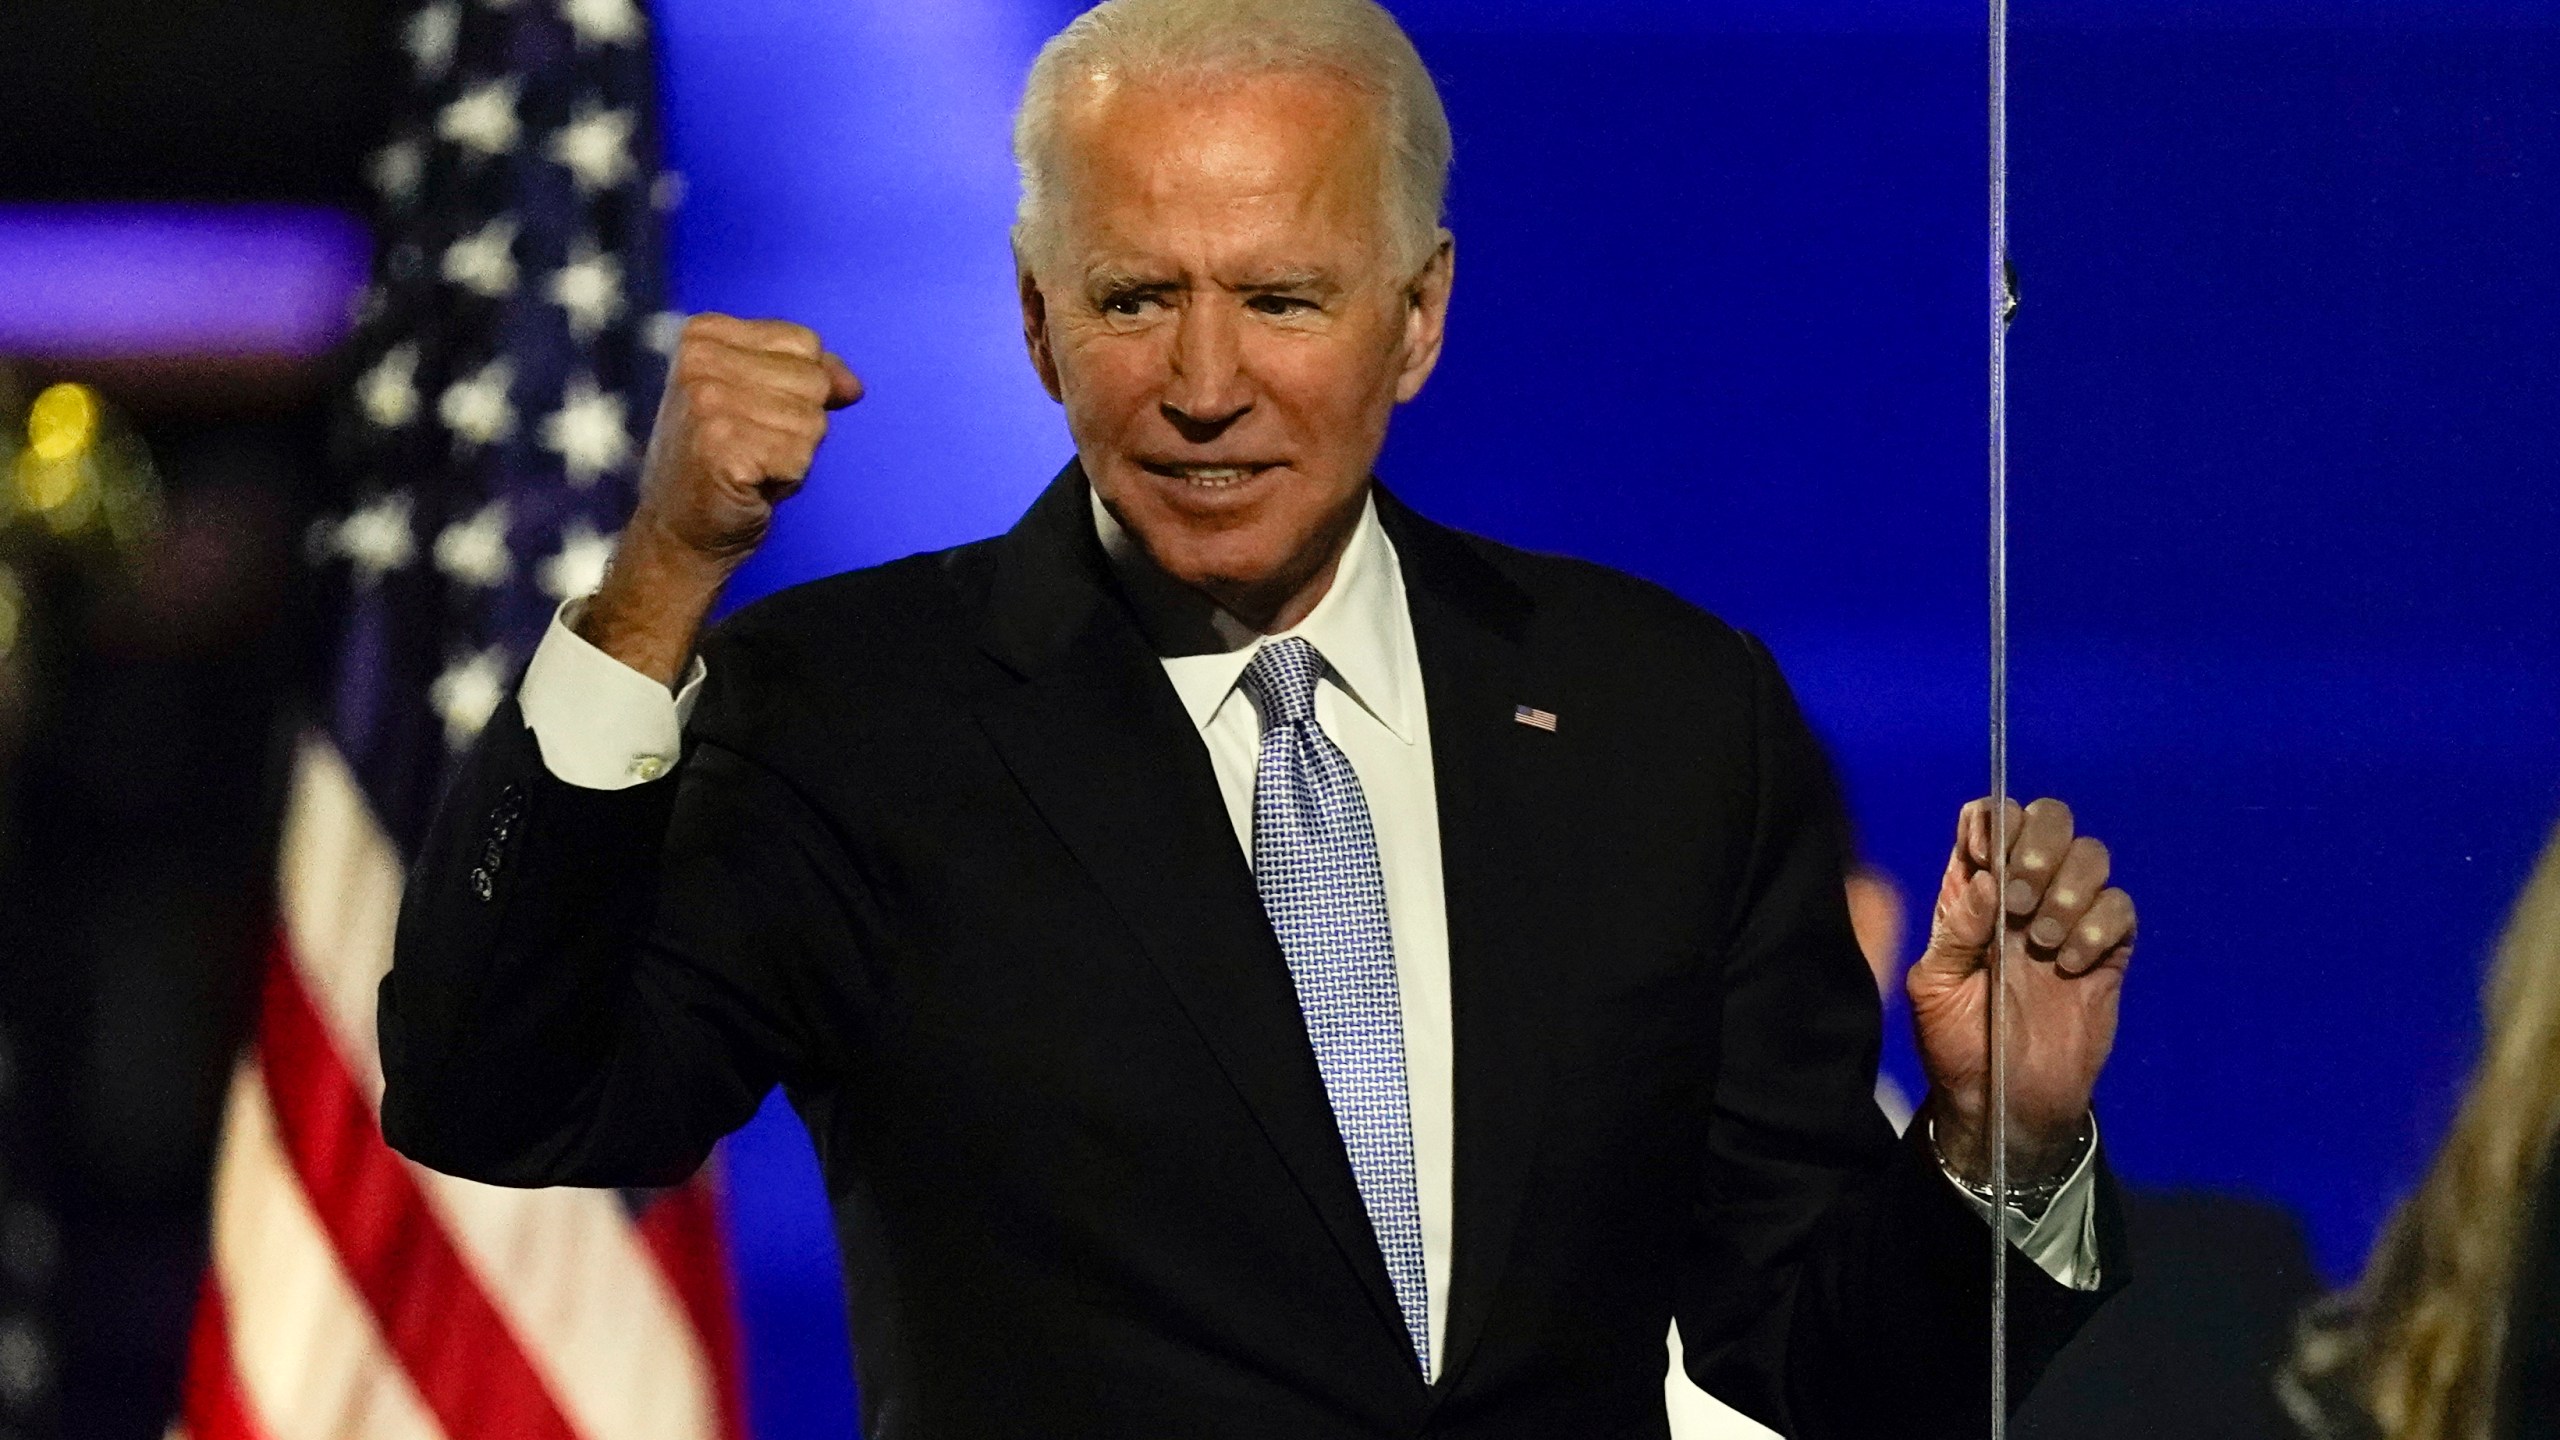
(2284, 512)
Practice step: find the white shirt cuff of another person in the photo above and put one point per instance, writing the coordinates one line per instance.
(600, 724)
(2063, 1242)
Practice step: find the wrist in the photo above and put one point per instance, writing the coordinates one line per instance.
(654, 597)
(2036, 1154)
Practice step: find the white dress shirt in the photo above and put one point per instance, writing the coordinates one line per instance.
(602, 725)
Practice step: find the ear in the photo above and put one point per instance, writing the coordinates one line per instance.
(1426, 316)
(1035, 325)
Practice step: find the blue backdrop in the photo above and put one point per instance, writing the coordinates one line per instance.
(2283, 397)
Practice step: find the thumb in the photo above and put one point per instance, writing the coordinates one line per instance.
(843, 386)
(1960, 928)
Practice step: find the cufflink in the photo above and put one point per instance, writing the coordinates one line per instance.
(493, 842)
(648, 767)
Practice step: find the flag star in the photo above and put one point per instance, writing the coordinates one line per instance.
(588, 288)
(602, 22)
(485, 260)
(388, 393)
(596, 147)
(397, 169)
(579, 566)
(468, 692)
(375, 539)
(474, 551)
(483, 118)
(667, 191)
(478, 410)
(662, 331)
(587, 431)
(430, 35)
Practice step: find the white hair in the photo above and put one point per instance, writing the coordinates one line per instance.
(1159, 40)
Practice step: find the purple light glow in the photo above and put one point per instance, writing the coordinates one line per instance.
(128, 281)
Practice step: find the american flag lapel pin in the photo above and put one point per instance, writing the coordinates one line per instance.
(1535, 718)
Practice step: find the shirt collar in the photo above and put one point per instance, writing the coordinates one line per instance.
(1360, 627)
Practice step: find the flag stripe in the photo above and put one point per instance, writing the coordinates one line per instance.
(616, 1346)
(340, 882)
(465, 1362)
(214, 1408)
(599, 1322)
(682, 1231)
(308, 1357)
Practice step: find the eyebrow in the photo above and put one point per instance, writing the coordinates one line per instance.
(1289, 280)
(1115, 280)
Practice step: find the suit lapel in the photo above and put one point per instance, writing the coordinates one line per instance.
(1469, 626)
(1102, 746)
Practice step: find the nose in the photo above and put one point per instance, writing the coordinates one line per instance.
(1207, 391)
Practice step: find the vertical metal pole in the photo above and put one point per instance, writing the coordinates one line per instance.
(2002, 298)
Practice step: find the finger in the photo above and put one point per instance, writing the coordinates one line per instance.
(843, 386)
(786, 452)
(777, 335)
(781, 337)
(2076, 883)
(802, 380)
(728, 422)
(2103, 935)
(745, 453)
(1975, 836)
(2040, 845)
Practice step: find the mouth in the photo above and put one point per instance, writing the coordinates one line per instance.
(1202, 475)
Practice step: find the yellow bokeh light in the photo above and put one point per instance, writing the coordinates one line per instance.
(63, 422)
(49, 487)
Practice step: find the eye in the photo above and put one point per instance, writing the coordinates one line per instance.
(1280, 304)
(1130, 303)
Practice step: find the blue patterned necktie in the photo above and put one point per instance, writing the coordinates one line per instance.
(1315, 860)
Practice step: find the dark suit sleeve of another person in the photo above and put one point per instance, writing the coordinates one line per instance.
(550, 1018)
(2528, 1405)
(1838, 1286)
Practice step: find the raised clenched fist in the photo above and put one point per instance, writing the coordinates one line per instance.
(745, 407)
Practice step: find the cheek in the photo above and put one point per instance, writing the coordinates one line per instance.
(1327, 382)
(1109, 379)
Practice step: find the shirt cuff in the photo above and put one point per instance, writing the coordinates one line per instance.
(600, 724)
(2063, 1242)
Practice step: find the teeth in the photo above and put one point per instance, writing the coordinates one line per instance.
(1214, 474)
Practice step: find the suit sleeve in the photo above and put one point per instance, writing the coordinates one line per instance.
(1836, 1285)
(590, 987)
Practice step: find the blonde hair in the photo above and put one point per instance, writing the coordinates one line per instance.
(2418, 1346)
(1158, 40)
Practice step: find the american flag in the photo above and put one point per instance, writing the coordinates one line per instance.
(502, 367)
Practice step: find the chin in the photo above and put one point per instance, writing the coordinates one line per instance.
(1220, 562)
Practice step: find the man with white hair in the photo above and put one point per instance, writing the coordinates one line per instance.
(1254, 962)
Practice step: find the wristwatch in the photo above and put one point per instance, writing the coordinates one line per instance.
(2030, 1198)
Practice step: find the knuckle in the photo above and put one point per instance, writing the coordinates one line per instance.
(790, 335)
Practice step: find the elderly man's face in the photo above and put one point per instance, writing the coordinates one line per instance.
(1224, 320)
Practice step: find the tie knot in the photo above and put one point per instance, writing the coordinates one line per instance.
(1282, 680)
